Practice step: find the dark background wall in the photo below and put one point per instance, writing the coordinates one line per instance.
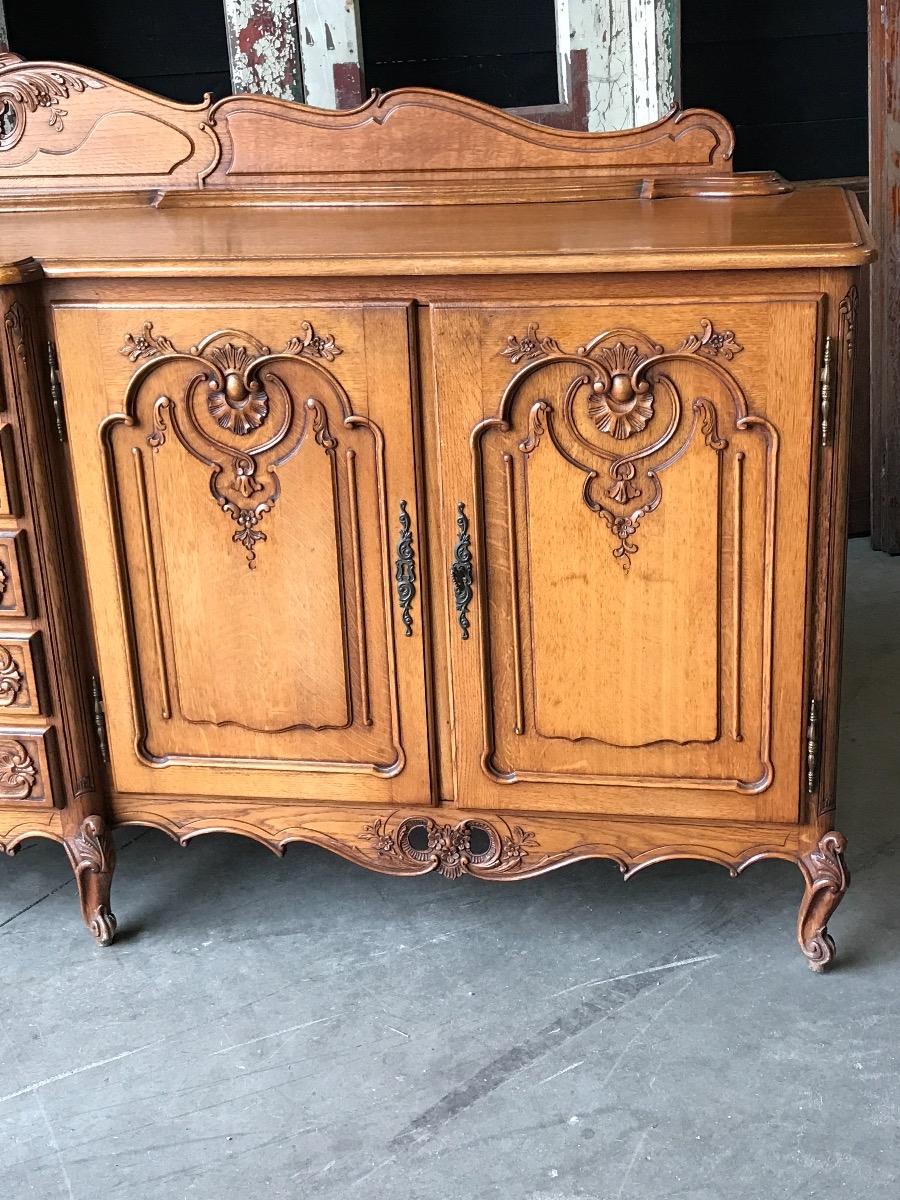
(174, 47)
(500, 51)
(791, 76)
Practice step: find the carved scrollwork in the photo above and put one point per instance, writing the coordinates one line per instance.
(11, 678)
(25, 89)
(92, 854)
(827, 880)
(17, 770)
(470, 847)
(620, 377)
(252, 422)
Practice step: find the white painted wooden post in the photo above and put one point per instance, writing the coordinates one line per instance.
(331, 52)
(631, 49)
(618, 59)
(263, 47)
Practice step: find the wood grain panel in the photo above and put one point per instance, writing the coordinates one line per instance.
(656, 457)
(244, 493)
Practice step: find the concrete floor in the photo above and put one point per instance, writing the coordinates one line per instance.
(303, 1028)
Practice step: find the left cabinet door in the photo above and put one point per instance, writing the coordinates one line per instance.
(245, 480)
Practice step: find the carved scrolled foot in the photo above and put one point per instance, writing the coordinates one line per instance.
(827, 879)
(92, 854)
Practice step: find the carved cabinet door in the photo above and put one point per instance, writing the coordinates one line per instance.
(246, 490)
(627, 508)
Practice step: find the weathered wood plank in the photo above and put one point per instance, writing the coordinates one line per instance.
(884, 43)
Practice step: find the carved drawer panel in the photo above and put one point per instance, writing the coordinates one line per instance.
(22, 690)
(27, 761)
(10, 502)
(14, 578)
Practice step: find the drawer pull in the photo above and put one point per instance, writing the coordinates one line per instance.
(405, 570)
(461, 570)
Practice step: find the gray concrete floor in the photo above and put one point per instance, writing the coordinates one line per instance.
(303, 1028)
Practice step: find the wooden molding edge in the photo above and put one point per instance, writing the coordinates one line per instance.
(501, 846)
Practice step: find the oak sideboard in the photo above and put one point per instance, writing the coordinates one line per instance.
(452, 492)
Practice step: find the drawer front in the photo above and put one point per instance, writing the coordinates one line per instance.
(27, 767)
(22, 679)
(636, 487)
(15, 581)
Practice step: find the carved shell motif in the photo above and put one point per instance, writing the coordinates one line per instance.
(619, 406)
(239, 406)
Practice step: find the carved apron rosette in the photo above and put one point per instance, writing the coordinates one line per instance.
(238, 415)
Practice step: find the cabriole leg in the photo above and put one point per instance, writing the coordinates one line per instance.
(827, 879)
(92, 854)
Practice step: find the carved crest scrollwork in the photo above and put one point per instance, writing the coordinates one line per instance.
(238, 414)
(619, 379)
(28, 89)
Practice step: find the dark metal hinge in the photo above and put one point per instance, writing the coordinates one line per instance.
(812, 747)
(99, 719)
(825, 387)
(56, 395)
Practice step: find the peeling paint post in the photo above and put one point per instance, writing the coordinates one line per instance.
(4, 36)
(263, 47)
(331, 52)
(631, 52)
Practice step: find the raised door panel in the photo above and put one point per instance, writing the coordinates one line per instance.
(244, 478)
(635, 490)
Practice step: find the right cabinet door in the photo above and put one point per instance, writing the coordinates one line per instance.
(627, 497)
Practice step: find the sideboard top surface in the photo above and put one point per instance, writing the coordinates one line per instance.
(98, 178)
(809, 227)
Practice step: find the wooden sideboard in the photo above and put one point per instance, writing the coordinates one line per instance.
(454, 493)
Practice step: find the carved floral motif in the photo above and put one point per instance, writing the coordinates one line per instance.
(530, 346)
(11, 678)
(230, 367)
(146, 344)
(422, 842)
(711, 343)
(621, 375)
(24, 89)
(17, 770)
